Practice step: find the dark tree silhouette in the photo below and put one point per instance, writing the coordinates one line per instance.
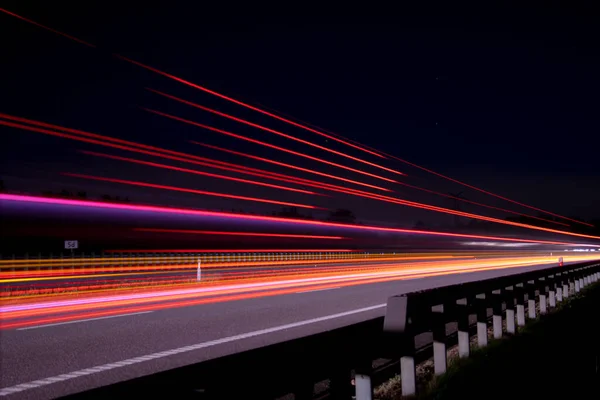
(342, 215)
(457, 206)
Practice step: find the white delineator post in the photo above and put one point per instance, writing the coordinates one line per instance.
(482, 333)
(497, 313)
(543, 299)
(363, 387)
(551, 297)
(520, 305)
(543, 304)
(408, 376)
(510, 321)
(199, 271)
(440, 361)
(510, 310)
(531, 307)
(559, 294)
(464, 341)
(520, 315)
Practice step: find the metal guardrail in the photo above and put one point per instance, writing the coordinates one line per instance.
(368, 353)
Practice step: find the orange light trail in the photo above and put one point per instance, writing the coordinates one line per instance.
(272, 267)
(196, 172)
(272, 146)
(232, 250)
(103, 140)
(41, 312)
(264, 128)
(201, 232)
(186, 190)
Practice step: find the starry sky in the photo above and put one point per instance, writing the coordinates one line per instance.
(502, 98)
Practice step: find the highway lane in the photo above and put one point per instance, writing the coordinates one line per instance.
(48, 352)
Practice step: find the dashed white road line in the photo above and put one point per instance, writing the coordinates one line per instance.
(88, 371)
(82, 320)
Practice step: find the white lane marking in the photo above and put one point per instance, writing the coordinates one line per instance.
(318, 290)
(82, 320)
(71, 375)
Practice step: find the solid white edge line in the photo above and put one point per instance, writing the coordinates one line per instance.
(82, 320)
(118, 364)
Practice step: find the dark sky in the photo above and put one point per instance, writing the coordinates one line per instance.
(503, 98)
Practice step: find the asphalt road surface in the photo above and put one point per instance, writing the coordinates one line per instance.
(48, 360)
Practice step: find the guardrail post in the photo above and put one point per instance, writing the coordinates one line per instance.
(543, 288)
(566, 284)
(559, 287)
(531, 299)
(464, 340)
(552, 291)
(577, 279)
(482, 333)
(497, 313)
(440, 361)
(520, 304)
(396, 323)
(510, 309)
(362, 381)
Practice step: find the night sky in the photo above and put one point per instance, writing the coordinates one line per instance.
(505, 99)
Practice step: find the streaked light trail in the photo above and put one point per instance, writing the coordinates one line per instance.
(256, 234)
(334, 137)
(185, 211)
(103, 140)
(196, 172)
(276, 132)
(187, 190)
(261, 143)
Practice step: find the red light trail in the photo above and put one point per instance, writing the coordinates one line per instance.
(362, 193)
(201, 232)
(187, 211)
(480, 204)
(466, 184)
(384, 198)
(310, 171)
(243, 121)
(159, 152)
(488, 193)
(192, 171)
(335, 138)
(47, 28)
(186, 190)
(235, 135)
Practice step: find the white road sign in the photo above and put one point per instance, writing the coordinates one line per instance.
(71, 244)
